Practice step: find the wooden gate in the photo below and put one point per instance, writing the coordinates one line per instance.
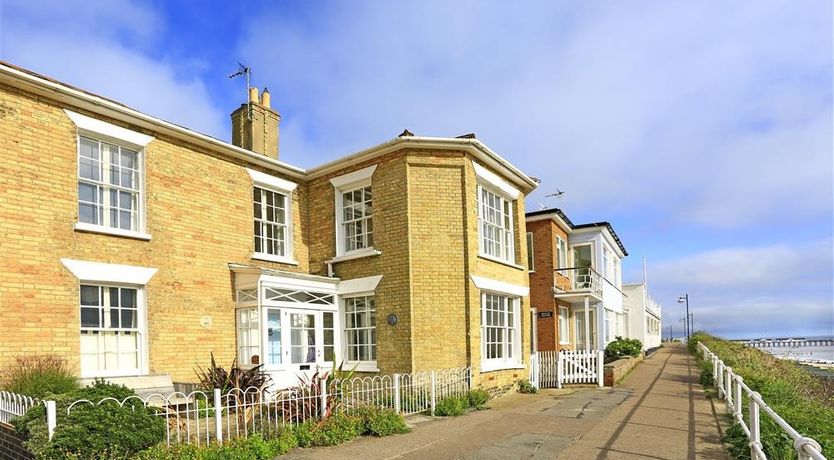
(568, 366)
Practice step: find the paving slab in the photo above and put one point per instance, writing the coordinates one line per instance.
(659, 412)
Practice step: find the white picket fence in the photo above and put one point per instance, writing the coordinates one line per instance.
(732, 389)
(202, 418)
(552, 369)
(14, 405)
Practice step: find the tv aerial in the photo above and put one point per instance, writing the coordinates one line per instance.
(246, 72)
(559, 194)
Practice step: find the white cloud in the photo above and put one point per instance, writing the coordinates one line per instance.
(672, 108)
(100, 47)
(753, 291)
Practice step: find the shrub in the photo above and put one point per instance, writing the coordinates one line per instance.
(337, 429)
(304, 433)
(524, 386)
(478, 397)
(38, 376)
(92, 431)
(379, 421)
(215, 376)
(451, 406)
(622, 347)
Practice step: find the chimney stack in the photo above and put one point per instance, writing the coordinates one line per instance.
(255, 125)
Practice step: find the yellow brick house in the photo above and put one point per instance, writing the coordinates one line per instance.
(133, 246)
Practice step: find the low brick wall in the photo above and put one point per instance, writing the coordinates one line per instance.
(10, 445)
(615, 370)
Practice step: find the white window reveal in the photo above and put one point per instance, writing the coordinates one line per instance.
(360, 329)
(564, 329)
(110, 330)
(500, 325)
(110, 178)
(561, 253)
(354, 204)
(357, 225)
(272, 212)
(495, 223)
(271, 236)
(112, 317)
(249, 349)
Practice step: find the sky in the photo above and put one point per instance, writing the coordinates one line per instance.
(701, 130)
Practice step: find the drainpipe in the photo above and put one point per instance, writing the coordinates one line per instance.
(329, 269)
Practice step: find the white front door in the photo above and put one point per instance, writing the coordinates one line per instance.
(300, 340)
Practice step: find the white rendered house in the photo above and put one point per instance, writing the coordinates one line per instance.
(588, 277)
(643, 315)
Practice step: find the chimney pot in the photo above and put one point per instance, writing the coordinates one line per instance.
(265, 98)
(253, 94)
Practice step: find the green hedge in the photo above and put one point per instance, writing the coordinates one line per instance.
(805, 401)
(92, 431)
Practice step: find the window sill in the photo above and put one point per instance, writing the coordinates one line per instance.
(92, 228)
(502, 262)
(273, 258)
(355, 255)
(492, 367)
(369, 366)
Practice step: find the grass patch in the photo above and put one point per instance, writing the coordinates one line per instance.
(804, 400)
(38, 376)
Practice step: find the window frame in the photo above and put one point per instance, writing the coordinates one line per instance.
(505, 203)
(102, 131)
(370, 365)
(141, 329)
(345, 183)
(276, 185)
(564, 339)
(561, 253)
(515, 360)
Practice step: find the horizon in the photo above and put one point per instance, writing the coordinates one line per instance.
(702, 132)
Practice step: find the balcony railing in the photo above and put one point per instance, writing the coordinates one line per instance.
(577, 280)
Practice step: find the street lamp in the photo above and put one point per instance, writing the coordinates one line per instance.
(682, 299)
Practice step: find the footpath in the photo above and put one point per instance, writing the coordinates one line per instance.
(658, 412)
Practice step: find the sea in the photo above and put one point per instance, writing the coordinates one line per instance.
(811, 349)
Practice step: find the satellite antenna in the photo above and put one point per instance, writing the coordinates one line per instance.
(246, 72)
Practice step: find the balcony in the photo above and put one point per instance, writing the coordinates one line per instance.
(573, 284)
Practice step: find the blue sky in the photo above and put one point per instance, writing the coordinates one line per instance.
(701, 130)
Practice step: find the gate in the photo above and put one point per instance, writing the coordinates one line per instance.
(567, 366)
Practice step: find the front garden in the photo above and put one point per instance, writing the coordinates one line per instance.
(110, 421)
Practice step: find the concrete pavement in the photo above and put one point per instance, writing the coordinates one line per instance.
(658, 412)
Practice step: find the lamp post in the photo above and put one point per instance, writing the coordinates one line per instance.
(685, 299)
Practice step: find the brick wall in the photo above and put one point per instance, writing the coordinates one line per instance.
(11, 447)
(199, 214)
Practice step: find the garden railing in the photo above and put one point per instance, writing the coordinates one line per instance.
(732, 389)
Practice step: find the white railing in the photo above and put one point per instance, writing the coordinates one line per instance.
(732, 389)
(14, 405)
(568, 366)
(204, 417)
(577, 279)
